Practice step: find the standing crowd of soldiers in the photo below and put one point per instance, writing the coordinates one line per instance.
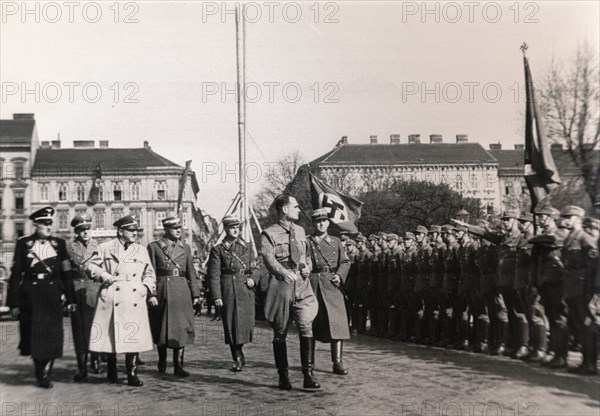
(503, 290)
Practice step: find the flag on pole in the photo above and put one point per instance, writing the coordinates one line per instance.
(94, 194)
(540, 171)
(343, 210)
(182, 182)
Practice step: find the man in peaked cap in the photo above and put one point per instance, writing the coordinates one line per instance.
(408, 273)
(41, 268)
(580, 255)
(177, 291)
(232, 275)
(359, 312)
(423, 306)
(82, 249)
(128, 281)
(433, 294)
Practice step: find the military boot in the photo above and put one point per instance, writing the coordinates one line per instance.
(237, 357)
(111, 368)
(561, 349)
(95, 362)
(307, 359)
(336, 358)
(281, 362)
(178, 362)
(43, 369)
(539, 344)
(501, 335)
(433, 338)
(81, 374)
(481, 336)
(131, 369)
(522, 350)
(162, 358)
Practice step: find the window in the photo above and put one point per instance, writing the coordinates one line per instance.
(63, 221)
(62, 192)
(117, 214)
(19, 202)
(117, 192)
(99, 219)
(160, 215)
(19, 170)
(507, 190)
(459, 183)
(80, 192)
(19, 229)
(44, 192)
(135, 191)
(100, 193)
(524, 189)
(161, 190)
(184, 221)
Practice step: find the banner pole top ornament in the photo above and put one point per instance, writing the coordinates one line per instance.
(524, 48)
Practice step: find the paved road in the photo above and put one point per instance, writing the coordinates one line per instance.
(386, 378)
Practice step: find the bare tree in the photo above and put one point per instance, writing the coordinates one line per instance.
(572, 111)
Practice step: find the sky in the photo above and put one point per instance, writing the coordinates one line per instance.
(165, 72)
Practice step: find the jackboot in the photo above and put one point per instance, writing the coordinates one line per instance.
(95, 362)
(561, 349)
(281, 362)
(539, 344)
(307, 359)
(481, 336)
(43, 369)
(418, 339)
(394, 330)
(131, 369)
(403, 337)
(81, 374)
(111, 368)
(336, 358)
(522, 350)
(242, 356)
(162, 358)
(178, 362)
(589, 343)
(463, 336)
(501, 335)
(433, 331)
(446, 332)
(237, 357)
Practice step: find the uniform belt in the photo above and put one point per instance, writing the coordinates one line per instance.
(233, 272)
(324, 269)
(169, 273)
(42, 276)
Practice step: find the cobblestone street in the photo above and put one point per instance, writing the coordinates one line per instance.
(386, 378)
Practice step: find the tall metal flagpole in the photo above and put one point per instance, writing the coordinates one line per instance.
(240, 29)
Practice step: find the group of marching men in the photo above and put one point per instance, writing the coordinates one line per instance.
(123, 297)
(497, 289)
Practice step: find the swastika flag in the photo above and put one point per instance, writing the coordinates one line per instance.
(343, 210)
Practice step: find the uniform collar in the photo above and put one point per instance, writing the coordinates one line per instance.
(325, 237)
(287, 225)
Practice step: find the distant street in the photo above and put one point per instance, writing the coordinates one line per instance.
(386, 378)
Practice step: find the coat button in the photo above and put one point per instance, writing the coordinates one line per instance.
(117, 288)
(134, 275)
(134, 289)
(135, 304)
(116, 304)
(116, 274)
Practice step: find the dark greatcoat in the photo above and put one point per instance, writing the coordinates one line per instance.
(331, 322)
(172, 321)
(227, 262)
(37, 291)
(86, 292)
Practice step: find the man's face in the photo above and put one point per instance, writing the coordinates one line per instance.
(571, 221)
(508, 223)
(173, 233)
(84, 234)
(592, 231)
(292, 210)
(392, 244)
(321, 225)
(460, 235)
(408, 242)
(43, 228)
(232, 232)
(129, 236)
(434, 236)
(448, 238)
(384, 244)
(420, 237)
(524, 225)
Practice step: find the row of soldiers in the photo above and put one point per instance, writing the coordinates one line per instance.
(484, 288)
(122, 297)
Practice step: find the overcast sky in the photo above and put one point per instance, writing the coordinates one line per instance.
(339, 68)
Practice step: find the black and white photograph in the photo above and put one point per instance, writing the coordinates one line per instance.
(306, 208)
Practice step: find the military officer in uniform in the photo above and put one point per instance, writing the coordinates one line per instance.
(81, 251)
(172, 321)
(328, 275)
(233, 275)
(40, 284)
(284, 250)
(434, 295)
(580, 253)
(393, 284)
(408, 272)
(128, 281)
(362, 285)
(422, 284)
(449, 292)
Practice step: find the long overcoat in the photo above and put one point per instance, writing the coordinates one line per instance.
(172, 321)
(121, 322)
(229, 265)
(331, 322)
(40, 276)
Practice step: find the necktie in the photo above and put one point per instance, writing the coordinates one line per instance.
(295, 255)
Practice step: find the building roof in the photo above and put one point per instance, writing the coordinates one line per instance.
(85, 160)
(406, 153)
(16, 132)
(514, 159)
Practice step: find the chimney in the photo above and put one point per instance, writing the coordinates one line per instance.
(374, 139)
(45, 144)
(519, 147)
(394, 139)
(146, 145)
(83, 143)
(414, 138)
(462, 138)
(103, 144)
(55, 144)
(495, 146)
(435, 138)
(24, 116)
(556, 146)
(344, 139)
